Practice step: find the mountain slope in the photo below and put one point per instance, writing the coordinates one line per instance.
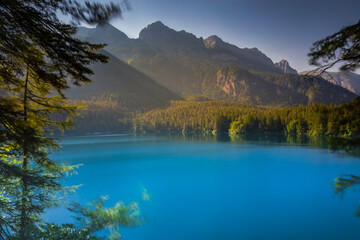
(348, 80)
(227, 54)
(103, 33)
(175, 59)
(120, 81)
(188, 65)
(239, 85)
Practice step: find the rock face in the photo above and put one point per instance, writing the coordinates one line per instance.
(285, 67)
(232, 83)
(347, 80)
(214, 41)
(240, 85)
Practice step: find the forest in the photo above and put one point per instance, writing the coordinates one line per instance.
(202, 115)
(217, 116)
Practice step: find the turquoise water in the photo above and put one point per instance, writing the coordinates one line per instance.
(217, 187)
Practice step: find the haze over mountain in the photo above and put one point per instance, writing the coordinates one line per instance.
(280, 29)
(188, 65)
(348, 80)
(119, 81)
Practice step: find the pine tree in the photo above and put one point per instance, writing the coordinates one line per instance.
(342, 47)
(39, 60)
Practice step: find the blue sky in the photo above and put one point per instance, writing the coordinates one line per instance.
(282, 29)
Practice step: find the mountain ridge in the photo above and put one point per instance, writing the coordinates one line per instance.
(163, 36)
(347, 80)
(188, 65)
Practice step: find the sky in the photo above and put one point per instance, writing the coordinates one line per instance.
(282, 29)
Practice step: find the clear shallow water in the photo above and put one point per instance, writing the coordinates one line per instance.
(217, 187)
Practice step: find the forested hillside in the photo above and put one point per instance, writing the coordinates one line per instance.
(217, 116)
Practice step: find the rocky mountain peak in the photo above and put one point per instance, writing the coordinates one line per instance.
(102, 33)
(109, 33)
(164, 37)
(213, 41)
(155, 30)
(230, 53)
(285, 67)
(157, 23)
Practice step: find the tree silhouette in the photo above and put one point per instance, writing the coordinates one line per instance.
(343, 47)
(39, 59)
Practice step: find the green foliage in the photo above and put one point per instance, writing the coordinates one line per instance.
(188, 116)
(221, 123)
(50, 231)
(39, 60)
(237, 127)
(220, 116)
(345, 182)
(96, 217)
(90, 220)
(342, 47)
(197, 98)
(292, 127)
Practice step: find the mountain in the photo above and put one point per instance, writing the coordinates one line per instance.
(239, 85)
(228, 54)
(103, 33)
(348, 80)
(169, 40)
(176, 59)
(188, 65)
(285, 67)
(119, 81)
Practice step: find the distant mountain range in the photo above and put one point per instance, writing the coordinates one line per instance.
(164, 64)
(348, 80)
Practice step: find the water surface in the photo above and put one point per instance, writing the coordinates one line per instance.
(206, 187)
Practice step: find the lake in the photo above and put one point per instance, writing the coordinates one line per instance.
(217, 187)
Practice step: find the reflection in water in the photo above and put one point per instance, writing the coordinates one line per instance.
(351, 147)
(345, 182)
